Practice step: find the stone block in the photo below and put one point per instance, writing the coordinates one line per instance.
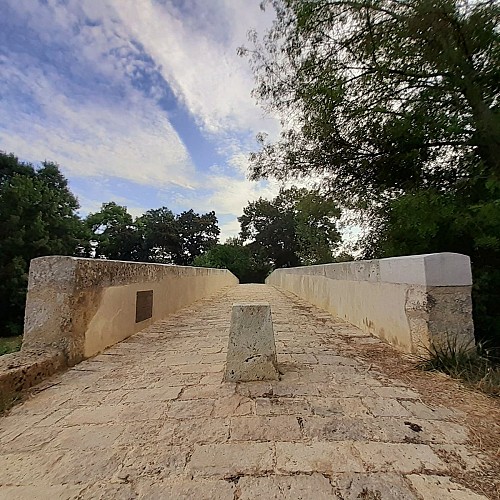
(229, 460)
(441, 487)
(251, 353)
(325, 458)
(286, 487)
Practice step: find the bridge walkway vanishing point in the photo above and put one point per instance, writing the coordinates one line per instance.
(151, 418)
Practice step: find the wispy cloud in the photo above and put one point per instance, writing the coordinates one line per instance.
(195, 46)
(113, 89)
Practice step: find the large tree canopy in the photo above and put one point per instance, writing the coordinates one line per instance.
(157, 236)
(37, 217)
(380, 95)
(295, 228)
(115, 235)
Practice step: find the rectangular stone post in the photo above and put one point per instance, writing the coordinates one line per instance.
(251, 352)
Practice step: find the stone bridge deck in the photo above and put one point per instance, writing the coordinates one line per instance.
(151, 418)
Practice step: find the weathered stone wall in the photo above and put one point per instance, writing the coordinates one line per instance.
(410, 302)
(75, 308)
(83, 306)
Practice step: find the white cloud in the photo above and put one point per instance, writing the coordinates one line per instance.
(196, 50)
(106, 129)
(110, 130)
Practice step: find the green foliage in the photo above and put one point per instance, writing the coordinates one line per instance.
(238, 259)
(395, 105)
(197, 233)
(114, 233)
(466, 220)
(160, 234)
(295, 228)
(465, 363)
(10, 344)
(381, 96)
(37, 217)
(157, 236)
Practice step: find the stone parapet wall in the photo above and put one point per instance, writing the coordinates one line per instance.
(77, 307)
(83, 306)
(411, 302)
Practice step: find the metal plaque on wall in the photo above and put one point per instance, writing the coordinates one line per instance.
(143, 305)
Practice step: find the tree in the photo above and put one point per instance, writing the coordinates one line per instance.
(160, 231)
(37, 217)
(236, 258)
(297, 227)
(197, 234)
(115, 235)
(396, 105)
(382, 96)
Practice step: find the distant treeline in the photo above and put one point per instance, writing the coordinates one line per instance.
(38, 216)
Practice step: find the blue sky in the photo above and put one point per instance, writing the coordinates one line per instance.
(142, 102)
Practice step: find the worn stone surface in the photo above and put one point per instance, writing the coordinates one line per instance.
(251, 351)
(442, 488)
(411, 302)
(152, 418)
(286, 487)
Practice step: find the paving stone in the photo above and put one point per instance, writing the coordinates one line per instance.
(331, 359)
(420, 410)
(229, 460)
(204, 369)
(405, 458)
(151, 418)
(255, 389)
(412, 430)
(200, 431)
(183, 359)
(282, 406)
(234, 405)
(212, 391)
(460, 457)
(188, 409)
(143, 433)
(103, 490)
(396, 392)
(25, 469)
(300, 487)
(78, 466)
(30, 440)
(293, 390)
(441, 487)
(385, 407)
(87, 437)
(157, 461)
(109, 413)
(148, 395)
(328, 458)
(41, 492)
(339, 428)
(259, 428)
(373, 487)
(325, 407)
(198, 489)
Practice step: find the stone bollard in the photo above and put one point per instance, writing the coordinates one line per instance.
(251, 352)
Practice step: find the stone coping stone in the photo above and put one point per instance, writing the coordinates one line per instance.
(435, 269)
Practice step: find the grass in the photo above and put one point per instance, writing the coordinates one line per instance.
(10, 344)
(469, 364)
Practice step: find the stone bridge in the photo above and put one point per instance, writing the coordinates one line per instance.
(139, 408)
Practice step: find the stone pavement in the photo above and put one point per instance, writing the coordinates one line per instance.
(151, 418)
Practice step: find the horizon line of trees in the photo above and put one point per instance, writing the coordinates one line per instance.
(38, 216)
